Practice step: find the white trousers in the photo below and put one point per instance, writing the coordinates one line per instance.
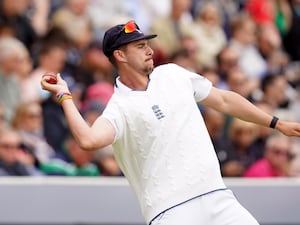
(215, 208)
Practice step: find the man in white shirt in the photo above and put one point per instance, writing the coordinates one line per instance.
(159, 136)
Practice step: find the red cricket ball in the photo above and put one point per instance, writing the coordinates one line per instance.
(52, 79)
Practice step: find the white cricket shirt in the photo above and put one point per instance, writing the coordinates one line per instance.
(161, 143)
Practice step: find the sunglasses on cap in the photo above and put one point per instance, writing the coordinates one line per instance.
(128, 28)
(122, 34)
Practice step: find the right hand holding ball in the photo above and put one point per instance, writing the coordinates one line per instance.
(51, 77)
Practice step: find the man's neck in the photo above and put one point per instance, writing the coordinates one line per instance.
(134, 80)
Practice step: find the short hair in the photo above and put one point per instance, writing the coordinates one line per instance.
(276, 137)
(239, 20)
(10, 46)
(268, 80)
(112, 58)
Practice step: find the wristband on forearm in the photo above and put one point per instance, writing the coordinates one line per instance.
(273, 122)
(61, 96)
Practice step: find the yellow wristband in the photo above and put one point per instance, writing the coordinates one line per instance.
(61, 96)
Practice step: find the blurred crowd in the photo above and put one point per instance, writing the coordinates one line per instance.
(247, 46)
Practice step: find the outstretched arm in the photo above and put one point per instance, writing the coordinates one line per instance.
(233, 104)
(100, 134)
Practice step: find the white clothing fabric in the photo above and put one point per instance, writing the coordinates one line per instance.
(161, 143)
(248, 57)
(211, 40)
(215, 208)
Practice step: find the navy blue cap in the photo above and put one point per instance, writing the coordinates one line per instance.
(122, 34)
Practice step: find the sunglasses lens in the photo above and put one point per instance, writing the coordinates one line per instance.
(130, 27)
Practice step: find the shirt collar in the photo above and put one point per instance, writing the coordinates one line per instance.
(120, 86)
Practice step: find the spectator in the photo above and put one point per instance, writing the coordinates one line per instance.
(283, 15)
(244, 41)
(275, 162)
(81, 161)
(71, 10)
(14, 14)
(92, 110)
(294, 165)
(187, 54)
(170, 29)
(262, 132)
(29, 122)
(101, 12)
(214, 122)
(76, 162)
(100, 91)
(209, 33)
(292, 37)
(23, 71)
(261, 11)
(212, 75)
(144, 11)
(238, 82)
(11, 49)
(295, 108)
(279, 62)
(41, 11)
(55, 126)
(268, 12)
(94, 66)
(52, 53)
(3, 124)
(104, 158)
(226, 60)
(240, 154)
(268, 39)
(50, 57)
(228, 8)
(15, 159)
(270, 47)
(106, 162)
(274, 88)
(182, 58)
(73, 19)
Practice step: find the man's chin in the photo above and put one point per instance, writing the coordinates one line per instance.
(149, 69)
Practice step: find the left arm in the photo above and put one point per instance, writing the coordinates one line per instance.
(233, 104)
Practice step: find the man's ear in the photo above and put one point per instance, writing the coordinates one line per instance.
(119, 55)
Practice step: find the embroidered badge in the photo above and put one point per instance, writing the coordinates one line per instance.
(157, 111)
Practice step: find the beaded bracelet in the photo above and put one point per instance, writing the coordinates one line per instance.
(61, 96)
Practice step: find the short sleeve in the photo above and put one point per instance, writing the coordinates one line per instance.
(201, 86)
(112, 114)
